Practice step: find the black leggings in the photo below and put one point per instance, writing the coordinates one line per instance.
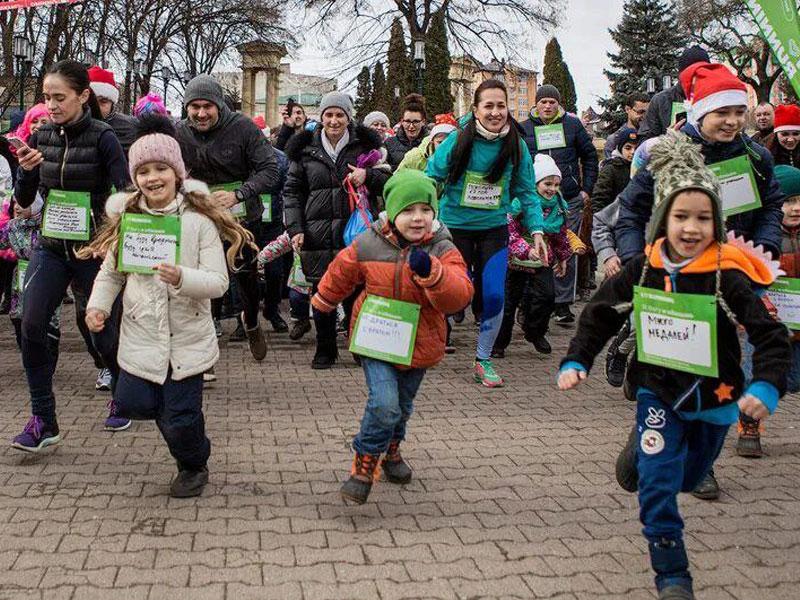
(534, 294)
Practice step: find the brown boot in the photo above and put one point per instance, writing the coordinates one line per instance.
(394, 467)
(749, 444)
(363, 474)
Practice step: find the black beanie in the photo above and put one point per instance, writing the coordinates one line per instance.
(693, 54)
(548, 91)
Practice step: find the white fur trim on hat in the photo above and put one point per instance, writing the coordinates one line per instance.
(712, 102)
(787, 128)
(445, 128)
(105, 90)
(545, 166)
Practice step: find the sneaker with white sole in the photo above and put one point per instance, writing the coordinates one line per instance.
(103, 383)
(113, 422)
(484, 373)
(37, 435)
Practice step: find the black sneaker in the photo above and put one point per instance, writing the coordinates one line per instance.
(708, 488)
(449, 346)
(498, 353)
(218, 328)
(256, 342)
(458, 317)
(278, 324)
(563, 315)
(676, 592)
(540, 343)
(325, 356)
(625, 468)
(616, 362)
(188, 483)
(238, 334)
(299, 329)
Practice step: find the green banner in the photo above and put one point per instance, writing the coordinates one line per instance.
(676, 331)
(780, 26)
(785, 295)
(146, 241)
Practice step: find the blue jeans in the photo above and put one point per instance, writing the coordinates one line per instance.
(176, 407)
(389, 405)
(49, 273)
(674, 457)
(299, 305)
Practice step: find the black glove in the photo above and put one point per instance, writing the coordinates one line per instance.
(420, 262)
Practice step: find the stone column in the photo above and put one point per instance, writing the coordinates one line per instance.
(248, 91)
(272, 110)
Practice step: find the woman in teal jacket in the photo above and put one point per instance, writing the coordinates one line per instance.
(482, 169)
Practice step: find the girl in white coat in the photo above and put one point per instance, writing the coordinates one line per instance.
(167, 337)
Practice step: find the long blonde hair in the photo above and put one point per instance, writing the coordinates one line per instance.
(107, 238)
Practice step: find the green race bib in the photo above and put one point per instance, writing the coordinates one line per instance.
(677, 331)
(266, 212)
(738, 183)
(238, 210)
(478, 193)
(67, 215)
(677, 108)
(386, 329)
(785, 295)
(19, 281)
(146, 241)
(297, 278)
(549, 137)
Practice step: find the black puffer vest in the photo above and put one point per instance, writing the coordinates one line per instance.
(72, 162)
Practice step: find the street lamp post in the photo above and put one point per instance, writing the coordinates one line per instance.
(166, 74)
(128, 70)
(137, 71)
(23, 50)
(651, 86)
(186, 77)
(419, 60)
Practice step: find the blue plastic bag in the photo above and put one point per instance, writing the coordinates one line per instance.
(360, 219)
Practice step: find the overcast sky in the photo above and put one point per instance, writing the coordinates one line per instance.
(583, 36)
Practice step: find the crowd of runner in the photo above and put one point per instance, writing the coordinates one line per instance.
(160, 229)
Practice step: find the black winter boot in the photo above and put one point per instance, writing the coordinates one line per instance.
(188, 483)
(362, 475)
(708, 488)
(394, 467)
(326, 355)
(671, 565)
(627, 474)
(749, 444)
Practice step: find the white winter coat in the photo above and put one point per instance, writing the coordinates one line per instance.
(164, 325)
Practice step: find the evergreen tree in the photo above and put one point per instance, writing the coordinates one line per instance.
(438, 96)
(379, 92)
(363, 103)
(650, 41)
(556, 72)
(399, 70)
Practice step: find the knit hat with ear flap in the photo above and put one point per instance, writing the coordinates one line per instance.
(677, 166)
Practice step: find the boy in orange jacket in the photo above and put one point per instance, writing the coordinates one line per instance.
(413, 276)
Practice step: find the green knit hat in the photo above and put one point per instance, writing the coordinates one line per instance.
(407, 187)
(789, 180)
(678, 166)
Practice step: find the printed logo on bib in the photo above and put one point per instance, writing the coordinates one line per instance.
(478, 193)
(66, 215)
(386, 329)
(656, 418)
(652, 442)
(146, 241)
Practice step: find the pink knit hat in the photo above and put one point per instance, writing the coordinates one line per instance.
(156, 143)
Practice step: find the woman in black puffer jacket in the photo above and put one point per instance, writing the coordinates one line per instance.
(316, 204)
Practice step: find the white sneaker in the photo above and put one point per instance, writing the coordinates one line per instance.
(103, 383)
(209, 376)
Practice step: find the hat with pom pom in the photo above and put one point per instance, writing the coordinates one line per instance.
(155, 142)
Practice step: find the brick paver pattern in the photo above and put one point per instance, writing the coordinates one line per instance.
(513, 493)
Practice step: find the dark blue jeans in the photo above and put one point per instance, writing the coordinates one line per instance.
(176, 407)
(299, 305)
(49, 273)
(673, 456)
(389, 405)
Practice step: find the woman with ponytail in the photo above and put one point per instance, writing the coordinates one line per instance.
(73, 161)
(482, 169)
(167, 338)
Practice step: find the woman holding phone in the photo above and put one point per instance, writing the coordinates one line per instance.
(73, 161)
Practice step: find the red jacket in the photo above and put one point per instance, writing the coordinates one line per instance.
(376, 260)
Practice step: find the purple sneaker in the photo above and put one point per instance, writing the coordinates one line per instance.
(113, 422)
(37, 434)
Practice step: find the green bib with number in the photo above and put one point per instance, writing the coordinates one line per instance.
(550, 137)
(737, 181)
(386, 329)
(479, 193)
(676, 331)
(67, 215)
(677, 108)
(238, 210)
(146, 241)
(266, 208)
(18, 285)
(785, 295)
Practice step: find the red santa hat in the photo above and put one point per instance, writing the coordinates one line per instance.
(103, 85)
(787, 117)
(710, 86)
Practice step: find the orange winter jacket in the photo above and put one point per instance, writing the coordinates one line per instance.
(376, 260)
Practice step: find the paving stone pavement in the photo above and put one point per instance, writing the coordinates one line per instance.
(513, 493)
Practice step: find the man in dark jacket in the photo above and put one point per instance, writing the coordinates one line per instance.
(636, 108)
(228, 151)
(294, 121)
(316, 203)
(664, 107)
(550, 130)
(105, 88)
(765, 121)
